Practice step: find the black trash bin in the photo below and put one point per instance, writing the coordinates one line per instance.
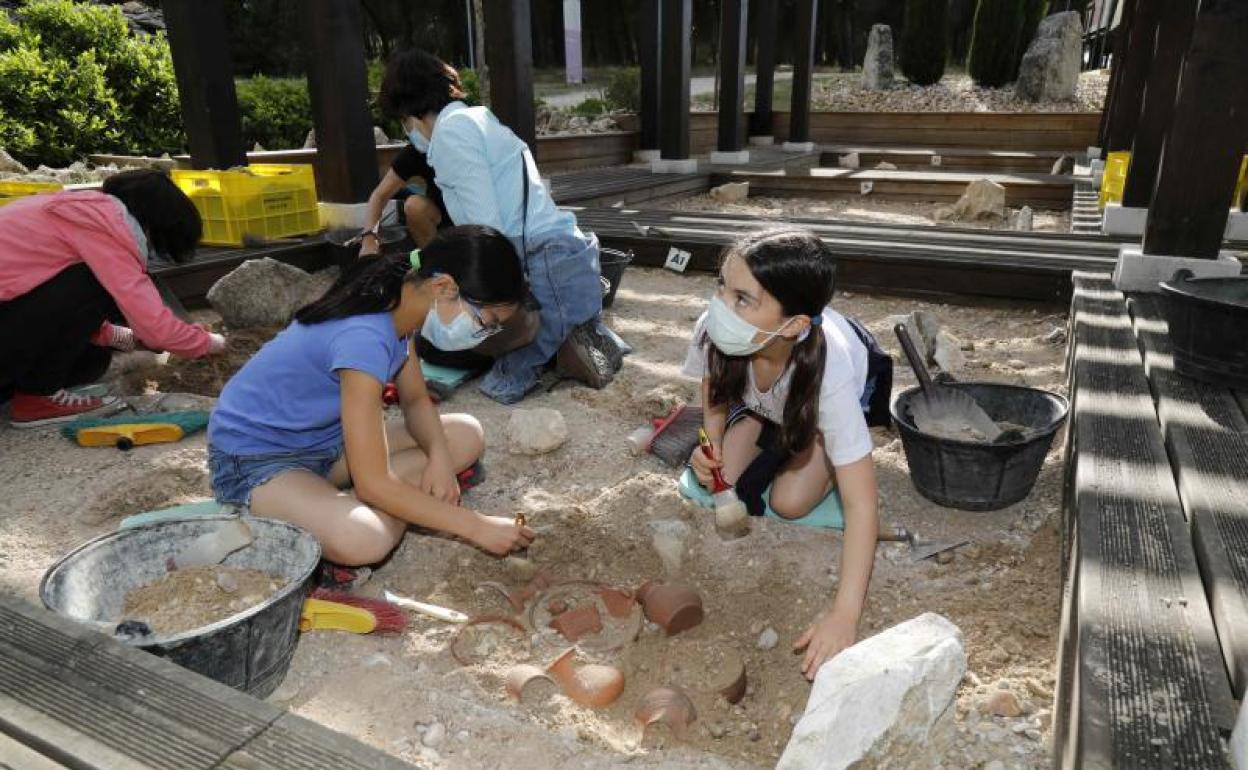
(612, 263)
(1208, 320)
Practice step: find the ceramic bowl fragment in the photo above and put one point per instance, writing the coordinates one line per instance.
(673, 606)
(669, 706)
(590, 685)
(520, 679)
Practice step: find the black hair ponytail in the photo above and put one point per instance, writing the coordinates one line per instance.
(482, 261)
(796, 268)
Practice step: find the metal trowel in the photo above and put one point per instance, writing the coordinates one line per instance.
(212, 547)
(918, 549)
(944, 411)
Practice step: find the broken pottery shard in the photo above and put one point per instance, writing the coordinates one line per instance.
(589, 685)
(669, 706)
(886, 701)
(536, 431)
(672, 606)
(521, 678)
(577, 622)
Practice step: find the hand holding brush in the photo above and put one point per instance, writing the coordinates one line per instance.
(731, 517)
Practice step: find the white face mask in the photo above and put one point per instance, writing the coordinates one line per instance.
(462, 333)
(732, 334)
(418, 140)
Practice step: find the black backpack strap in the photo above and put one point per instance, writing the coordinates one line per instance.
(878, 392)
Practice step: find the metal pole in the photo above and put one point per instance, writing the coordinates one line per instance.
(472, 54)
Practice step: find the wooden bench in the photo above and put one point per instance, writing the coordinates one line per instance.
(945, 158)
(73, 698)
(1206, 434)
(1141, 680)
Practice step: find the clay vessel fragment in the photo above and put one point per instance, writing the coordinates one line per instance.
(520, 677)
(734, 683)
(589, 685)
(669, 706)
(673, 606)
(577, 622)
(619, 602)
(557, 607)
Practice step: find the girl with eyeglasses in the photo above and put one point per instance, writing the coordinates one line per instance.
(300, 434)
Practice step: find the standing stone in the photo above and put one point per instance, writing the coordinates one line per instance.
(10, 166)
(888, 701)
(877, 68)
(1023, 220)
(983, 199)
(1050, 68)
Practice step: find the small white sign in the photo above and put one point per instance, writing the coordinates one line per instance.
(677, 260)
(937, 160)
(866, 187)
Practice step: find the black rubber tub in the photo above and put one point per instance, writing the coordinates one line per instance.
(1208, 320)
(974, 476)
(612, 263)
(249, 651)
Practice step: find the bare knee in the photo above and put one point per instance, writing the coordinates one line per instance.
(361, 545)
(466, 438)
(789, 503)
(422, 217)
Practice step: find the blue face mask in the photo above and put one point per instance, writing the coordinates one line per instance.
(418, 140)
(462, 333)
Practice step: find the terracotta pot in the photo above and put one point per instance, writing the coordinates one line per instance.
(520, 677)
(736, 683)
(669, 706)
(619, 602)
(673, 606)
(577, 622)
(589, 685)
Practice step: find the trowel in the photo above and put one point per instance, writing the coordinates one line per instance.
(918, 549)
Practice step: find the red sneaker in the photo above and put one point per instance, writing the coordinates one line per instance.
(31, 411)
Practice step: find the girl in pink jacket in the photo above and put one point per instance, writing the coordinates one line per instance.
(73, 270)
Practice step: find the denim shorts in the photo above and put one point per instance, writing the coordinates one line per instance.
(235, 476)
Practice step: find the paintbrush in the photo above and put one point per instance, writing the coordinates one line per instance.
(731, 517)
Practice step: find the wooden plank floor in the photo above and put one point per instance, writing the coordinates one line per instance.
(79, 699)
(1206, 433)
(1143, 684)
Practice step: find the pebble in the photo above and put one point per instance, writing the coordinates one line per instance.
(434, 734)
(376, 660)
(1002, 703)
(462, 735)
(1057, 336)
(431, 756)
(227, 582)
(995, 764)
(1015, 363)
(1032, 734)
(716, 730)
(753, 734)
(768, 639)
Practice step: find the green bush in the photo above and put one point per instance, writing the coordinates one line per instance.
(274, 112)
(623, 91)
(994, 41)
(591, 108)
(74, 81)
(923, 41)
(1034, 12)
(472, 86)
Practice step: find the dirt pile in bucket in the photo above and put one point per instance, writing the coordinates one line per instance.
(198, 596)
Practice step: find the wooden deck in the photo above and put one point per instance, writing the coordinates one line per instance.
(1156, 523)
(73, 698)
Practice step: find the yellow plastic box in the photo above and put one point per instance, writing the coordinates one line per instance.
(11, 191)
(1115, 179)
(264, 201)
(1241, 190)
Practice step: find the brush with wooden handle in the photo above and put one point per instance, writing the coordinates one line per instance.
(731, 517)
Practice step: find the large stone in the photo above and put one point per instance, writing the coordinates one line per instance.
(984, 199)
(10, 166)
(535, 431)
(379, 138)
(877, 68)
(888, 701)
(262, 292)
(732, 192)
(1050, 68)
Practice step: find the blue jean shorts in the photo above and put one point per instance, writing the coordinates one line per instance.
(235, 476)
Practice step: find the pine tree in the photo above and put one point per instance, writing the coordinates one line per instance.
(923, 42)
(994, 41)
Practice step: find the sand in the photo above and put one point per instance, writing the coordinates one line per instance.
(593, 501)
(198, 596)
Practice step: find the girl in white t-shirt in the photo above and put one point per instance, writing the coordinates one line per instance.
(770, 349)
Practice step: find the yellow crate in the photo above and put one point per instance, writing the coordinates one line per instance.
(11, 191)
(1114, 180)
(1241, 189)
(265, 201)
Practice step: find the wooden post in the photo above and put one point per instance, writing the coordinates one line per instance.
(509, 54)
(1202, 150)
(676, 29)
(1137, 59)
(764, 67)
(346, 156)
(732, 26)
(201, 62)
(803, 71)
(1174, 34)
(648, 53)
(1116, 68)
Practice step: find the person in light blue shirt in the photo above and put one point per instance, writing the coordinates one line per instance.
(487, 175)
(304, 419)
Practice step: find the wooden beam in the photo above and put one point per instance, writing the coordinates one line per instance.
(1202, 151)
(732, 27)
(648, 54)
(1136, 62)
(803, 70)
(764, 67)
(200, 47)
(676, 30)
(509, 55)
(1174, 22)
(346, 157)
(1116, 68)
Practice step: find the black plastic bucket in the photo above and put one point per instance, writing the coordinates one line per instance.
(249, 651)
(974, 476)
(612, 263)
(1208, 320)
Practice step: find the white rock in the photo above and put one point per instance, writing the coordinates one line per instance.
(434, 734)
(947, 352)
(732, 192)
(849, 160)
(668, 537)
(885, 166)
(1050, 68)
(1023, 220)
(379, 136)
(536, 431)
(768, 639)
(886, 701)
(877, 67)
(261, 292)
(983, 199)
(378, 660)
